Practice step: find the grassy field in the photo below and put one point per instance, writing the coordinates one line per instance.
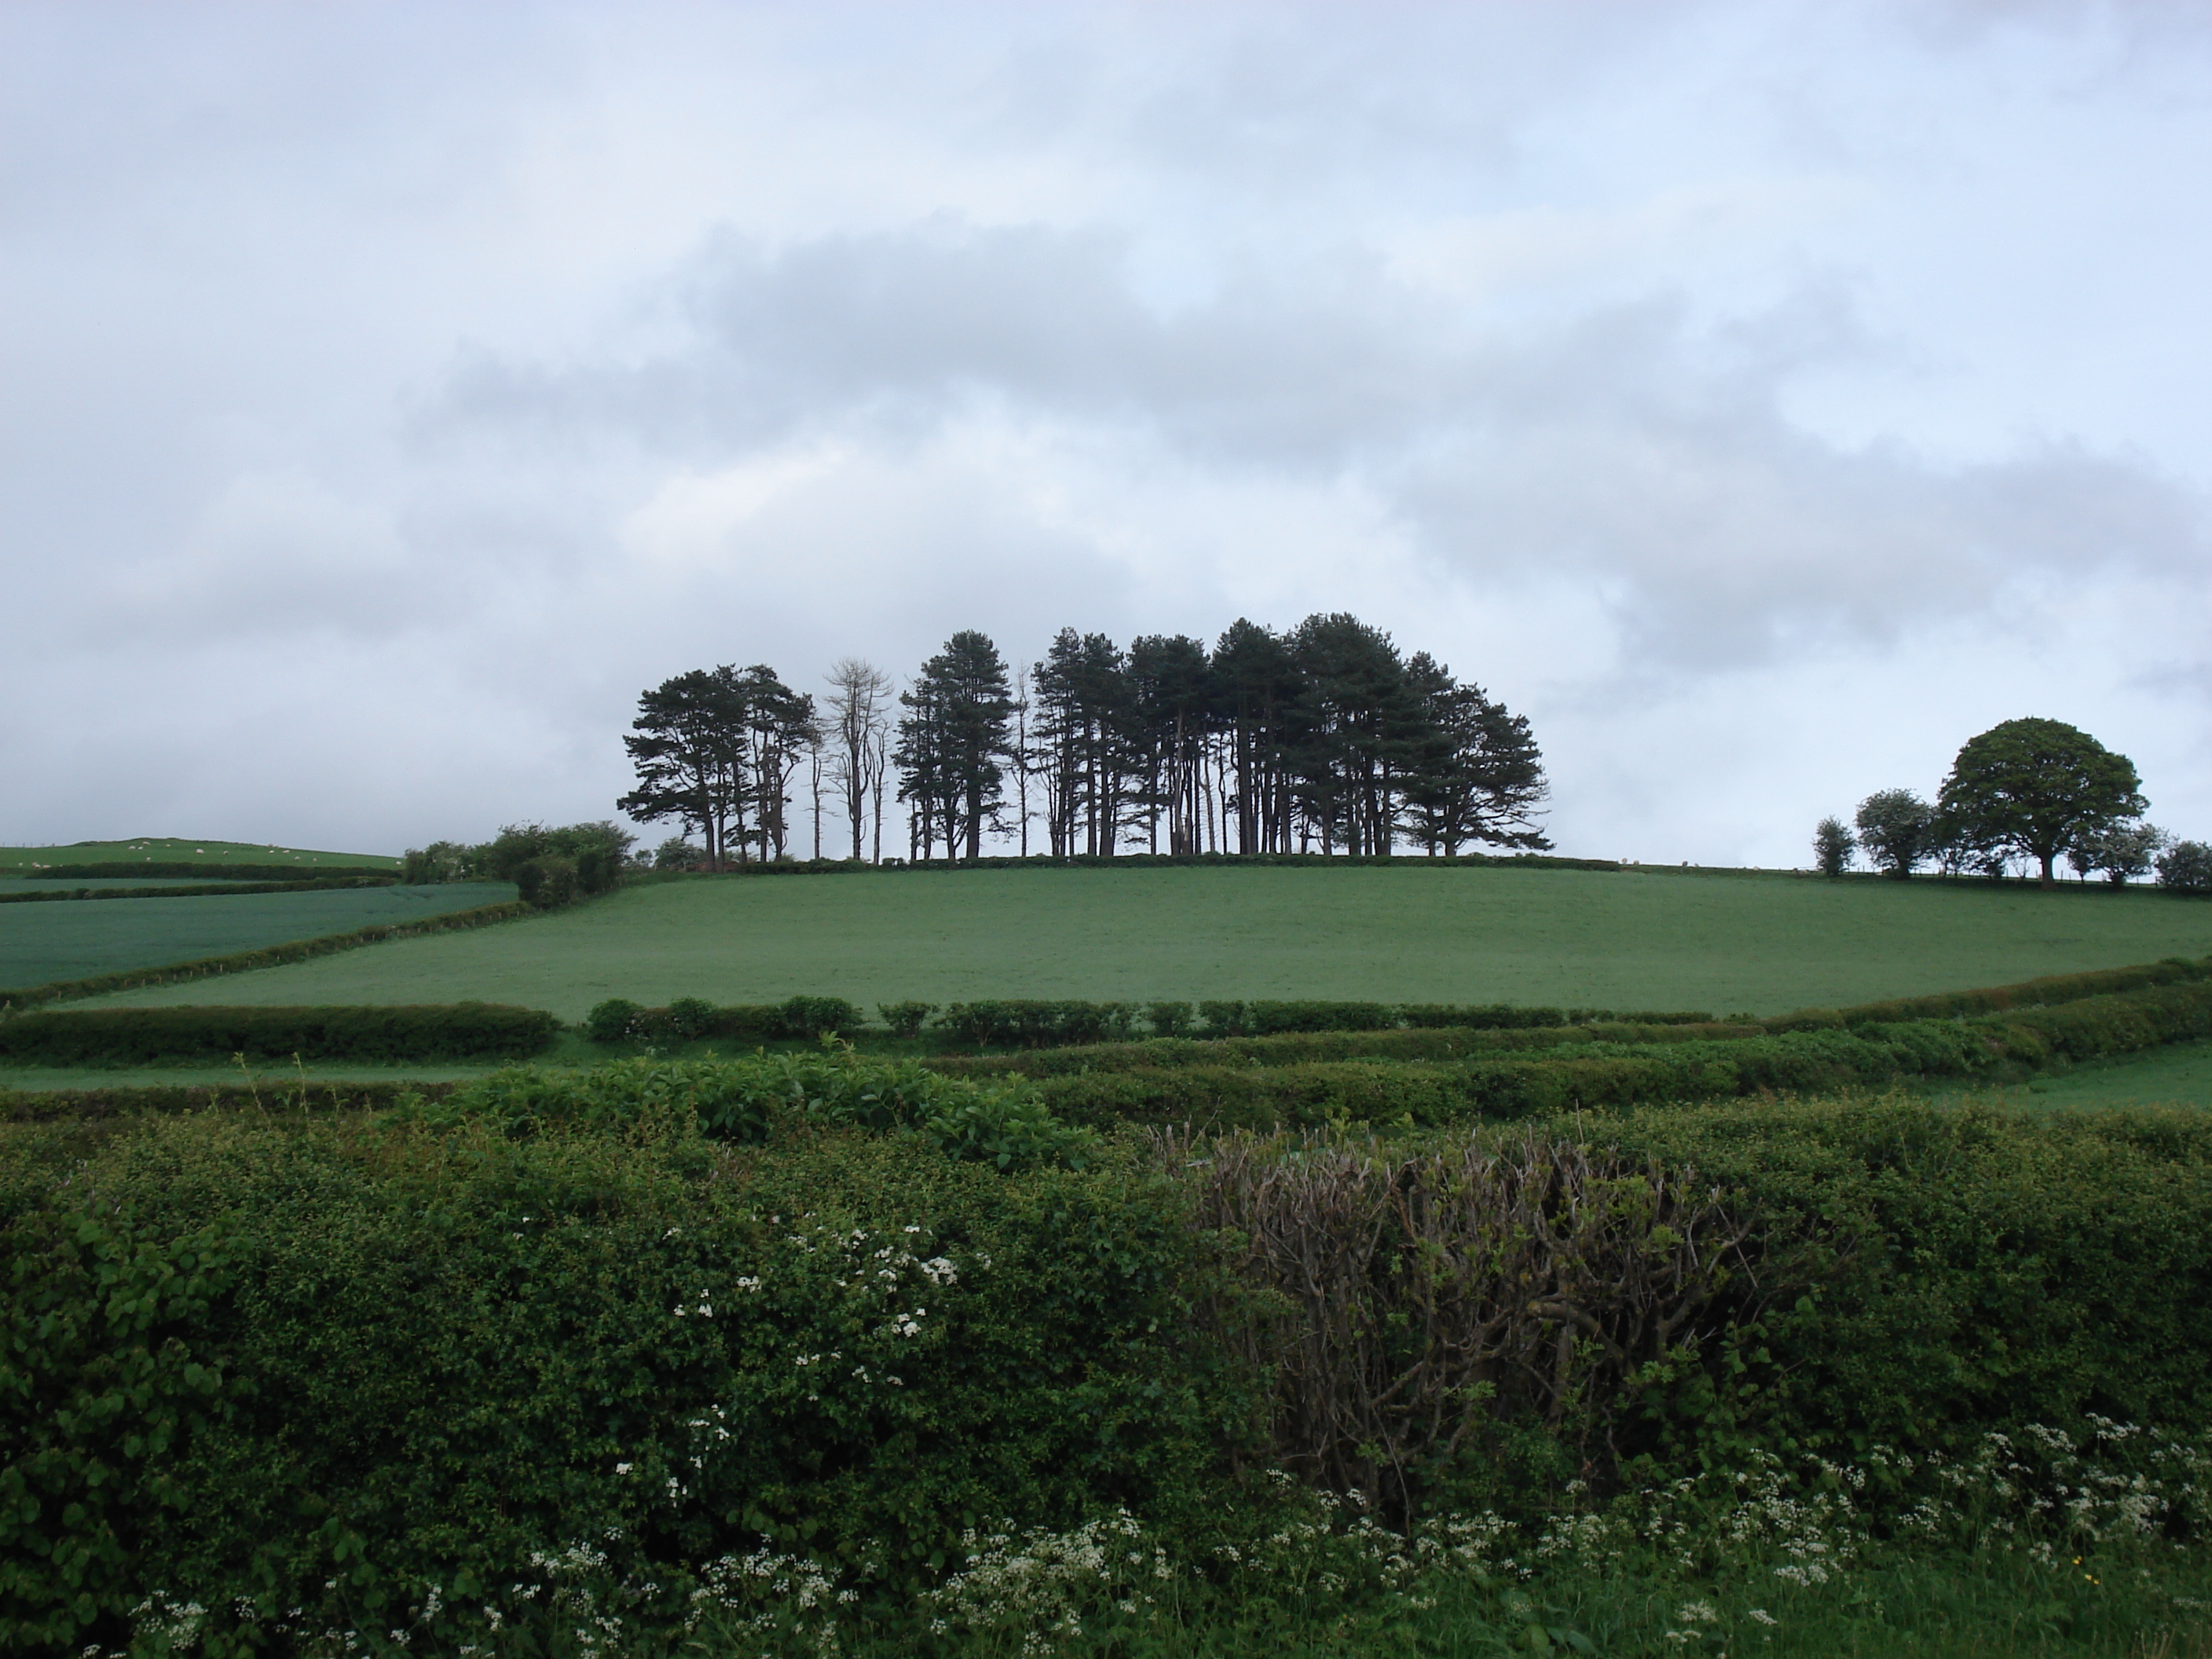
(1757, 945)
(2178, 1076)
(41, 943)
(157, 849)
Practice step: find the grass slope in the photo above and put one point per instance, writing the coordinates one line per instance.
(42, 942)
(157, 849)
(1757, 945)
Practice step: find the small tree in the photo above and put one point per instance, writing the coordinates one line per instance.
(1832, 847)
(2123, 852)
(2036, 787)
(1896, 827)
(2187, 867)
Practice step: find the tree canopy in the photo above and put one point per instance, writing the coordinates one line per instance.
(2035, 787)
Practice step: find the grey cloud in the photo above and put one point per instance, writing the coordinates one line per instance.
(1628, 444)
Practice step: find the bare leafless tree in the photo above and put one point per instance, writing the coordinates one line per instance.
(859, 726)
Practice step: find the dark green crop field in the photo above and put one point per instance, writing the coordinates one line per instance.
(1755, 944)
(42, 942)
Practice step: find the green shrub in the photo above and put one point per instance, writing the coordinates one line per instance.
(1030, 1023)
(547, 882)
(2187, 867)
(819, 1016)
(612, 1021)
(1265, 1019)
(905, 1019)
(461, 1031)
(1493, 1017)
(1223, 1019)
(294, 1377)
(1170, 1020)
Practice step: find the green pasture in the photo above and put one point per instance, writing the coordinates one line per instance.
(42, 942)
(170, 849)
(1761, 945)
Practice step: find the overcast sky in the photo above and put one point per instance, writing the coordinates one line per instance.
(1763, 399)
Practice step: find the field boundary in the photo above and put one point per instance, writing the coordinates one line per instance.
(108, 869)
(267, 955)
(201, 890)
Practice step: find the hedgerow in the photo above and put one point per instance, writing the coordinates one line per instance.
(489, 1377)
(464, 1031)
(200, 890)
(124, 869)
(689, 1019)
(1163, 1082)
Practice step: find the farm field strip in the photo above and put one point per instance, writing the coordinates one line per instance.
(1760, 945)
(173, 850)
(43, 943)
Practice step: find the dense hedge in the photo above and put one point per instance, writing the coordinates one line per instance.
(692, 1020)
(296, 1376)
(2028, 994)
(207, 890)
(321, 1370)
(1431, 1044)
(212, 871)
(462, 1031)
(1574, 1075)
(268, 955)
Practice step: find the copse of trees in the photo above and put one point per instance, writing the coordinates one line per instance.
(550, 864)
(2029, 789)
(1327, 739)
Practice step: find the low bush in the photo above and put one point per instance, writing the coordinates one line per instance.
(690, 1019)
(1011, 1022)
(96, 1037)
(905, 1019)
(1268, 1018)
(1170, 1020)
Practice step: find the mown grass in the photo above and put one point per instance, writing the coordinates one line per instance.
(43, 943)
(169, 849)
(1760, 944)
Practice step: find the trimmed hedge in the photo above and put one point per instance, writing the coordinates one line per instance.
(2028, 994)
(692, 1020)
(1575, 1075)
(212, 871)
(209, 889)
(268, 955)
(1027, 1024)
(462, 1031)
(1446, 1044)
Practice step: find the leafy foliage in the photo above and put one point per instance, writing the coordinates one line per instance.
(2036, 787)
(1897, 828)
(117, 1035)
(1832, 847)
